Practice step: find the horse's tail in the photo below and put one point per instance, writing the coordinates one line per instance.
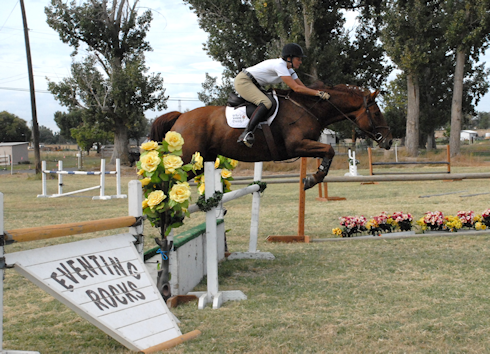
(162, 125)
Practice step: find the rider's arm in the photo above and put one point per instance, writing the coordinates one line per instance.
(298, 86)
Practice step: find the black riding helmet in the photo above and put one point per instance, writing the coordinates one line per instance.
(292, 50)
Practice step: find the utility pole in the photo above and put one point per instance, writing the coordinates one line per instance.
(35, 126)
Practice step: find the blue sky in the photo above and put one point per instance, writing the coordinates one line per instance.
(177, 54)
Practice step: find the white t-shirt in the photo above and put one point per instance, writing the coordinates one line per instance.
(270, 71)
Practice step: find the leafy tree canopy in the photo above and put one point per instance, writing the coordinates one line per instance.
(111, 85)
(13, 128)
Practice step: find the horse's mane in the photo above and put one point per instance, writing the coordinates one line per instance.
(359, 91)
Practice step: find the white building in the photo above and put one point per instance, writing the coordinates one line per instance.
(17, 151)
(328, 137)
(470, 135)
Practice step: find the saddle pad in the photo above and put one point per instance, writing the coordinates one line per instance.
(237, 117)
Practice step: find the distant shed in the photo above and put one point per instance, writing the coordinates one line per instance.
(470, 135)
(328, 137)
(18, 151)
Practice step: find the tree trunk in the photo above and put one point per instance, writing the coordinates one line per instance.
(308, 34)
(413, 113)
(121, 143)
(431, 140)
(457, 104)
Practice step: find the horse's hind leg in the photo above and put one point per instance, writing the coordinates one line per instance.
(320, 174)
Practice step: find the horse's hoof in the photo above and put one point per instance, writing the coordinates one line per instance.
(308, 182)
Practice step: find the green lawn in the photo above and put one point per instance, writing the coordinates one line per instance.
(420, 295)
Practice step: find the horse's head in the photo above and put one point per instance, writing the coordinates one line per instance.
(370, 120)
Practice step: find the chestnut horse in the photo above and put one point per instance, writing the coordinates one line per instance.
(296, 129)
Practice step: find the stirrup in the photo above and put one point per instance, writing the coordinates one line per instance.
(248, 140)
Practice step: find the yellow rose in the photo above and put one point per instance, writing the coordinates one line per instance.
(483, 226)
(180, 192)
(216, 163)
(150, 161)
(150, 145)
(176, 176)
(197, 179)
(227, 184)
(174, 140)
(201, 189)
(155, 198)
(172, 162)
(140, 172)
(233, 163)
(197, 161)
(478, 225)
(225, 173)
(145, 181)
(144, 204)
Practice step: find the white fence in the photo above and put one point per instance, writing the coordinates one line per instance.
(101, 186)
(6, 160)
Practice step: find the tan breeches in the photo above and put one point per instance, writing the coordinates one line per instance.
(246, 88)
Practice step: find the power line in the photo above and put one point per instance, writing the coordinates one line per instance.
(185, 99)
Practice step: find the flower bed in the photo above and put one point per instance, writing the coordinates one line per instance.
(385, 223)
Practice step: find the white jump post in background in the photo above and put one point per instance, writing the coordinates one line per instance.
(101, 186)
(352, 164)
(213, 295)
(253, 253)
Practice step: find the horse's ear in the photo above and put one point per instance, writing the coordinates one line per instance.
(374, 94)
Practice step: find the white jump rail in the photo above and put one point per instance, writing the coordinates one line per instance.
(252, 253)
(207, 250)
(101, 186)
(6, 160)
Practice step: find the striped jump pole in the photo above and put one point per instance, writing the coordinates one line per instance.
(101, 187)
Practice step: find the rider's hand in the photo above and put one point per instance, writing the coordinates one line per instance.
(323, 95)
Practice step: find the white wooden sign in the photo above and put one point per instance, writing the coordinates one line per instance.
(105, 281)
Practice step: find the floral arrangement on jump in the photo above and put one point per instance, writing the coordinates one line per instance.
(431, 221)
(227, 166)
(164, 180)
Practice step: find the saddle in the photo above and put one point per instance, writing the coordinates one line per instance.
(236, 101)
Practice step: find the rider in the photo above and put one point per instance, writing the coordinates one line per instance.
(272, 71)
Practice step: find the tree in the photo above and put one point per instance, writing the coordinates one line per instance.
(46, 135)
(111, 84)
(214, 95)
(395, 106)
(243, 33)
(13, 128)
(87, 135)
(411, 33)
(467, 30)
(67, 121)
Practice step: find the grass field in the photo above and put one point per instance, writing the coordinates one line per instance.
(421, 295)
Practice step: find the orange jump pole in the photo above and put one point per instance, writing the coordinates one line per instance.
(300, 237)
(325, 189)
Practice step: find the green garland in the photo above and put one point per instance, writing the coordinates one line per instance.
(262, 185)
(206, 205)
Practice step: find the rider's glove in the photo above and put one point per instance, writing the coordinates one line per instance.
(323, 95)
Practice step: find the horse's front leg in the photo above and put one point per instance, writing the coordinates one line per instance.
(311, 148)
(319, 175)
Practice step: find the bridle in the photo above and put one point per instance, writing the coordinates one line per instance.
(374, 134)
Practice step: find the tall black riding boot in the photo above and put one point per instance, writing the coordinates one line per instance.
(247, 137)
